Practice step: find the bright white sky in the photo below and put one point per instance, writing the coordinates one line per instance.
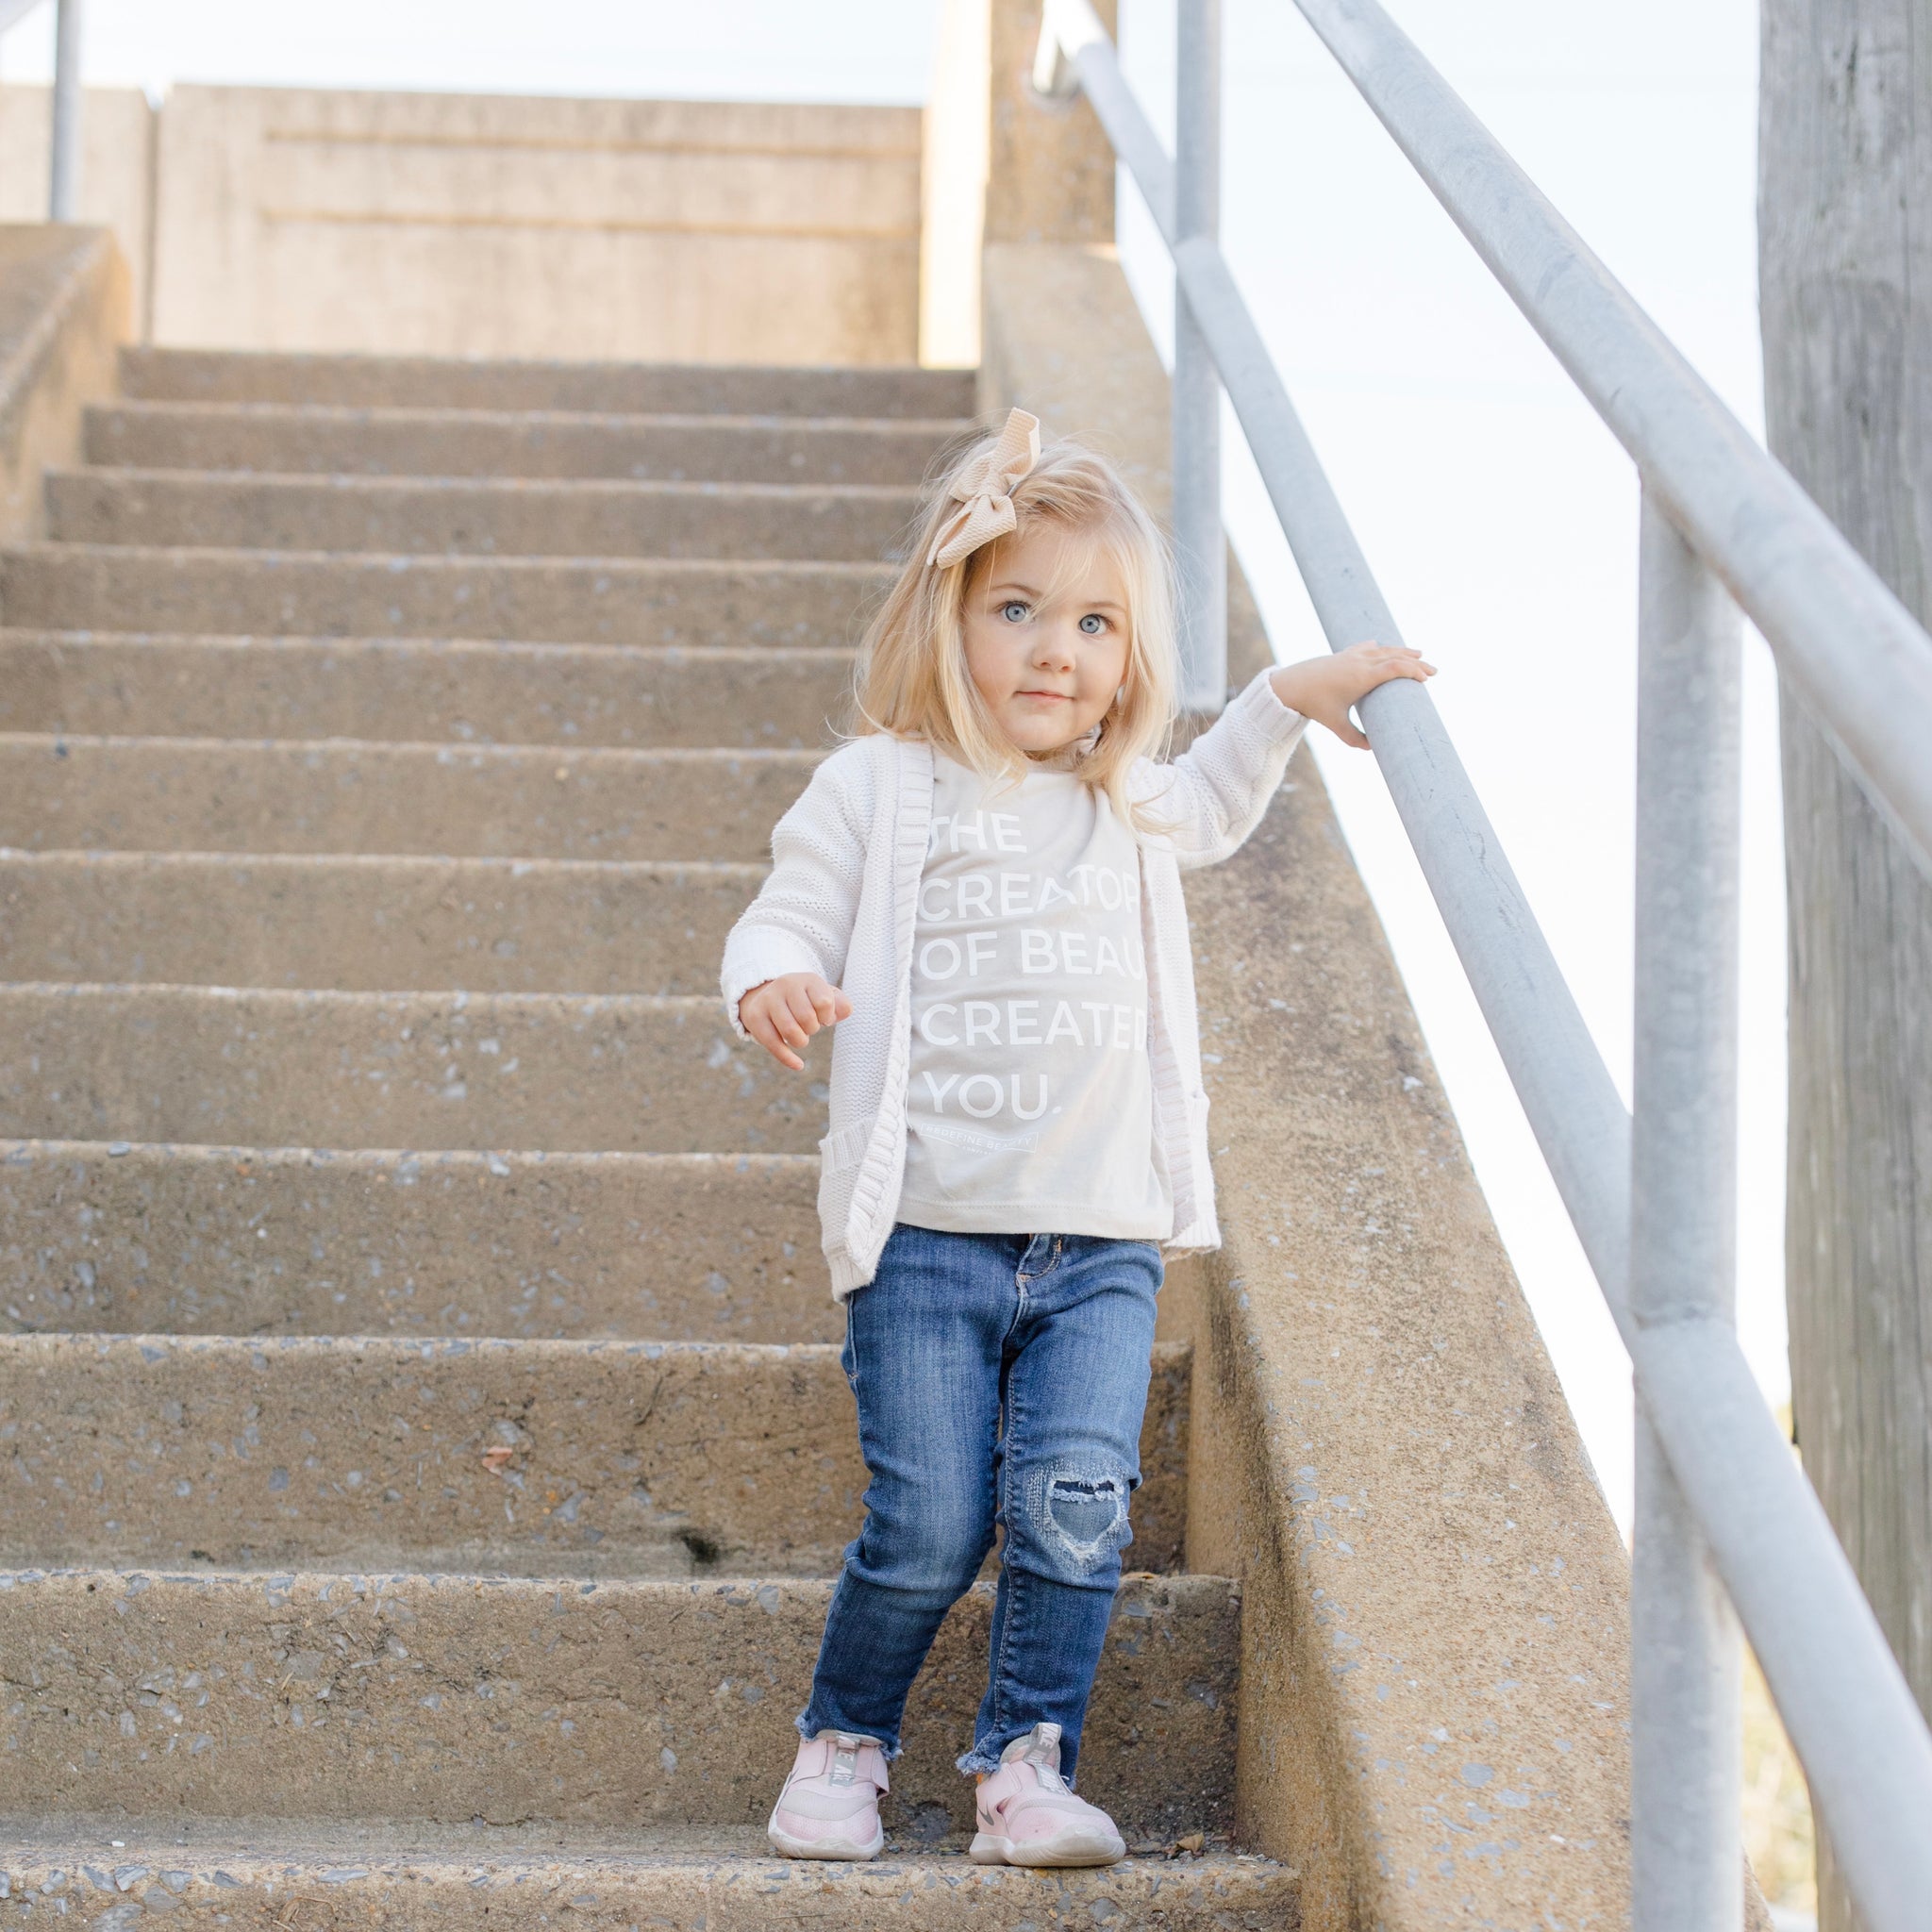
(1499, 515)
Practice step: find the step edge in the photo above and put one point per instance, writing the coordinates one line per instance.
(671, 871)
(397, 562)
(23, 1149)
(446, 750)
(515, 488)
(15, 636)
(162, 408)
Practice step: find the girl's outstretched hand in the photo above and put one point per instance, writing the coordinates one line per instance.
(1324, 688)
(783, 1013)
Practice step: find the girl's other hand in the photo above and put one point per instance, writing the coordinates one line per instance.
(783, 1013)
(1324, 688)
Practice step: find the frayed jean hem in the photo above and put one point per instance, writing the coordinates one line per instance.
(803, 1724)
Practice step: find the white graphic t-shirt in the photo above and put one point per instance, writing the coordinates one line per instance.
(1030, 1109)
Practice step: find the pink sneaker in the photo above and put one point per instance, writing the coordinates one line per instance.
(829, 1808)
(1027, 1816)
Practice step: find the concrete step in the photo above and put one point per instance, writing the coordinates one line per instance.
(604, 1705)
(351, 925)
(531, 1070)
(125, 1236)
(637, 388)
(597, 601)
(419, 689)
(212, 794)
(342, 1876)
(475, 516)
(290, 439)
(638, 1458)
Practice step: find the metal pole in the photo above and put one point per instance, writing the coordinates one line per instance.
(1200, 546)
(1686, 1865)
(1852, 650)
(63, 188)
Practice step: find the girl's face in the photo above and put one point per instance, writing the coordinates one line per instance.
(1046, 636)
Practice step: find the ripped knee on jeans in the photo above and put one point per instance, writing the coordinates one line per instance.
(1078, 1517)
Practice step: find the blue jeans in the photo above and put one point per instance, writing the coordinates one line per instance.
(1001, 1380)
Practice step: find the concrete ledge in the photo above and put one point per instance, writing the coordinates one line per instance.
(510, 516)
(65, 307)
(1435, 1641)
(290, 439)
(638, 1459)
(419, 690)
(631, 1073)
(610, 1705)
(468, 801)
(376, 382)
(338, 923)
(605, 600)
(466, 1878)
(119, 1237)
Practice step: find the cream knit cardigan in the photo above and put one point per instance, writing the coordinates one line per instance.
(841, 902)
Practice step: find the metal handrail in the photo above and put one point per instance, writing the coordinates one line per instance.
(63, 174)
(1864, 669)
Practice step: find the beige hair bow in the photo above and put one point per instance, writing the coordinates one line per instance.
(986, 506)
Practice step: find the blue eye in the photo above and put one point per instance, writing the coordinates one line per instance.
(1014, 611)
(1093, 623)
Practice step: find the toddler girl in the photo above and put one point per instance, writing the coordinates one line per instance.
(982, 891)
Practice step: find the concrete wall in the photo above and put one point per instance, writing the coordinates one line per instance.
(483, 225)
(1435, 1637)
(116, 169)
(1001, 164)
(65, 309)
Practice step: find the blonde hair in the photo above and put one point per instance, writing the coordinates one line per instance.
(912, 679)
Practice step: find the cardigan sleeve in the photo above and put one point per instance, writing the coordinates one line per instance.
(802, 919)
(1205, 801)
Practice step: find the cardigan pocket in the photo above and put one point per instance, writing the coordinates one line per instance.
(846, 1146)
(840, 1156)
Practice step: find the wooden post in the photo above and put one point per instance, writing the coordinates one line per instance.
(1845, 238)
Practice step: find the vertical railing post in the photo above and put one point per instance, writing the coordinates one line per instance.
(1687, 1863)
(1200, 546)
(63, 174)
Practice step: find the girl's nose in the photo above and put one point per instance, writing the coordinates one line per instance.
(1051, 651)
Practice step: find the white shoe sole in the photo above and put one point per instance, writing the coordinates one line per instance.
(843, 1848)
(1068, 1848)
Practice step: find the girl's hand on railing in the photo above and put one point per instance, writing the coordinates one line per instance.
(1324, 688)
(783, 1013)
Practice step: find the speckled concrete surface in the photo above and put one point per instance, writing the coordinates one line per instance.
(508, 515)
(291, 439)
(628, 388)
(294, 1240)
(600, 1703)
(418, 690)
(210, 1065)
(605, 600)
(346, 1617)
(208, 794)
(119, 1237)
(349, 923)
(641, 1459)
(330, 1878)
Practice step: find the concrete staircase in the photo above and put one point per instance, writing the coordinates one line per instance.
(424, 1453)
